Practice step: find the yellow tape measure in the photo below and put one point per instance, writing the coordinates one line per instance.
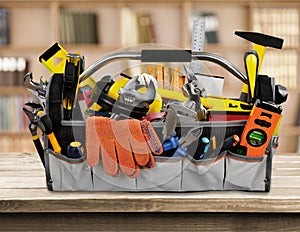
(54, 59)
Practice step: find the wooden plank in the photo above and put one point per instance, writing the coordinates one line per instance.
(149, 222)
(27, 167)
(24, 190)
(286, 158)
(153, 205)
(19, 160)
(287, 165)
(286, 182)
(32, 182)
(41, 200)
(14, 161)
(21, 174)
(286, 172)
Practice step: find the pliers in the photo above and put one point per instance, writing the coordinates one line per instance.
(31, 109)
(38, 117)
(191, 136)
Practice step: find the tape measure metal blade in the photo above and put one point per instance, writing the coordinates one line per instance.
(198, 42)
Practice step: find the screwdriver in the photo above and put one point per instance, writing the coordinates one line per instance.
(75, 150)
(229, 143)
(46, 126)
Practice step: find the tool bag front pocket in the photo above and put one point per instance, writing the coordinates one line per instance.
(69, 174)
(203, 175)
(245, 173)
(165, 176)
(104, 182)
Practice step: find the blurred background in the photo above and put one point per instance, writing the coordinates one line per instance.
(95, 28)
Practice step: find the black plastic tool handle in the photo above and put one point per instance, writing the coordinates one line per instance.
(166, 56)
(40, 149)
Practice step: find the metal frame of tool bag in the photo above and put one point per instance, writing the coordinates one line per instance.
(223, 169)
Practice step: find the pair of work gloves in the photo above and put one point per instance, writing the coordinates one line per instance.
(124, 145)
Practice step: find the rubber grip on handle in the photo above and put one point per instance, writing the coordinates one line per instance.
(39, 149)
(46, 121)
(54, 143)
(166, 56)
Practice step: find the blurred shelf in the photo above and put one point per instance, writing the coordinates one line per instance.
(296, 90)
(226, 47)
(91, 47)
(14, 91)
(14, 48)
(42, 48)
(31, 37)
(290, 131)
(22, 133)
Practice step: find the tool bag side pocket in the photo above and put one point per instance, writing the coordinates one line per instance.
(165, 176)
(104, 182)
(69, 174)
(203, 175)
(245, 173)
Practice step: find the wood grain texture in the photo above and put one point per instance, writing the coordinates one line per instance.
(23, 189)
(149, 222)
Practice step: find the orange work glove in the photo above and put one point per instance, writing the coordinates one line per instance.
(125, 145)
(100, 139)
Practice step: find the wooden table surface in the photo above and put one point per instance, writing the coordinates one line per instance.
(23, 192)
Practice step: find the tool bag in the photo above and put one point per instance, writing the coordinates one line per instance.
(223, 169)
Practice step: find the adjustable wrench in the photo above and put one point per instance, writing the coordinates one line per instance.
(129, 94)
(38, 89)
(131, 102)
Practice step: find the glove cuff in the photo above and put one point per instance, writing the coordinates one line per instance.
(151, 137)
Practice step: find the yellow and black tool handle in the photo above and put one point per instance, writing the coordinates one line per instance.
(37, 142)
(46, 126)
(74, 64)
(39, 148)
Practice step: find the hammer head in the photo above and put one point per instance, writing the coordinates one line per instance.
(261, 39)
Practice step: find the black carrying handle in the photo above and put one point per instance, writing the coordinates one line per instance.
(153, 55)
(166, 56)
